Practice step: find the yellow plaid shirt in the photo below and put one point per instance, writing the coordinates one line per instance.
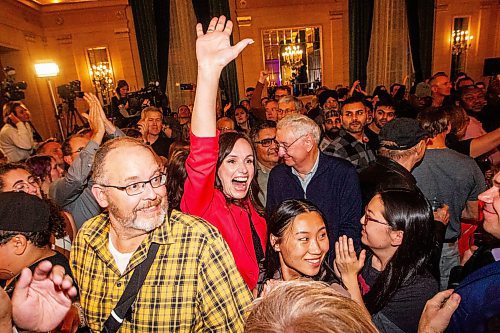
(192, 286)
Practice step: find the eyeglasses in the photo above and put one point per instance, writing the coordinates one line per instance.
(267, 142)
(285, 146)
(139, 187)
(79, 150)
(23, 186)
(367, 219)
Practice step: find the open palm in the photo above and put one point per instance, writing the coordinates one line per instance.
(213, 48)
(41, 301)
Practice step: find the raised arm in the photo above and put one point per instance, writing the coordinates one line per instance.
(485, 143)
(213, 52)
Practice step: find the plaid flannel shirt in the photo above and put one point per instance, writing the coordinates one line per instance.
(347, 147)
(192, 286)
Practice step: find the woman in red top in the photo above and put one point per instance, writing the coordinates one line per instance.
(220, 186)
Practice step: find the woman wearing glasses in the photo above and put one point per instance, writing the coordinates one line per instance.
(395, 282)
(16, 177)
(220, 185)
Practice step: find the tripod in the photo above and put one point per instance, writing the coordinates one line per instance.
(71, 120)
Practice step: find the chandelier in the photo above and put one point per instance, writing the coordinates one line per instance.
(292, 54)
(102, 79)
(460, 41)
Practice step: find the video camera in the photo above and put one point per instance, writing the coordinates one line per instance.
(9, 89)
(151, 92)
(70, 91)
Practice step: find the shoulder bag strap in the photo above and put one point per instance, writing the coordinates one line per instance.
(115, 320)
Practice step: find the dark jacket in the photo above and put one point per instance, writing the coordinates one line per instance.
(384, 173)
(334, 189)
(480, 302)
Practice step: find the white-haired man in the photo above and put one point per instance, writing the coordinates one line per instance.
(328, 182)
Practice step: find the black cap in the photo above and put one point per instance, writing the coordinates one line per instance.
(405, 133)
(23, 212)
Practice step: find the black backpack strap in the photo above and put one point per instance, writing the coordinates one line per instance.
(115, 319)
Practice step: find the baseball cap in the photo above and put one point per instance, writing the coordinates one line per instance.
(23, 212)
(423, 90)
(402, 133)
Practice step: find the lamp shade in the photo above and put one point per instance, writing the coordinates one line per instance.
(46, 69)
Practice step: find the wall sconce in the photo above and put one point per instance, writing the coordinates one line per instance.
(460, 41)
(48, 70)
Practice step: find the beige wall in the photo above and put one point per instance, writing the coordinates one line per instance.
(30, 32)
(62, 33)
(484, 25)
(331, 16)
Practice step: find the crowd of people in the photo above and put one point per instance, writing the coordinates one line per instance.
(344, 214)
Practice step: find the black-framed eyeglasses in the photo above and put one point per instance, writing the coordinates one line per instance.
(286, 147)
(267, 142)
(23, 186)
(139, 187)
(369, 219)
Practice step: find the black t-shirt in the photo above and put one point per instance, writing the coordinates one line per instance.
(162, 145)
(56, 259)
(406, 305)
(462, 146)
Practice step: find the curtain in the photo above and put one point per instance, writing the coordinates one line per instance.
(162, 20)
(152, 20)
(420, 15)
(204, 11)
(182, 58)
(389, 60)
(360, 23)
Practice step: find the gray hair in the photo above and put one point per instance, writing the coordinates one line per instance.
(150, 109)
(301, 125)
(307, 306)
(292, 99)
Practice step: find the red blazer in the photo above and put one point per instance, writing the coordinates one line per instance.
(202, 199)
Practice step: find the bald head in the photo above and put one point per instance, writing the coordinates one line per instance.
(120, 149)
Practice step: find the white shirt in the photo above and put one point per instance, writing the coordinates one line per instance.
(16, 142)
(121, 259)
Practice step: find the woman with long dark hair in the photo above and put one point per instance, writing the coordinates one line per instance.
(120, 104)
(221, 186)
(395, 280)
(297, 245)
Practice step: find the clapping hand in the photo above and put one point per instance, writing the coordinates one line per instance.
(347, 263)
(94, 116)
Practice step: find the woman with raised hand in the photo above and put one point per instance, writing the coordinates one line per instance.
(395, 282)
(221, 186)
